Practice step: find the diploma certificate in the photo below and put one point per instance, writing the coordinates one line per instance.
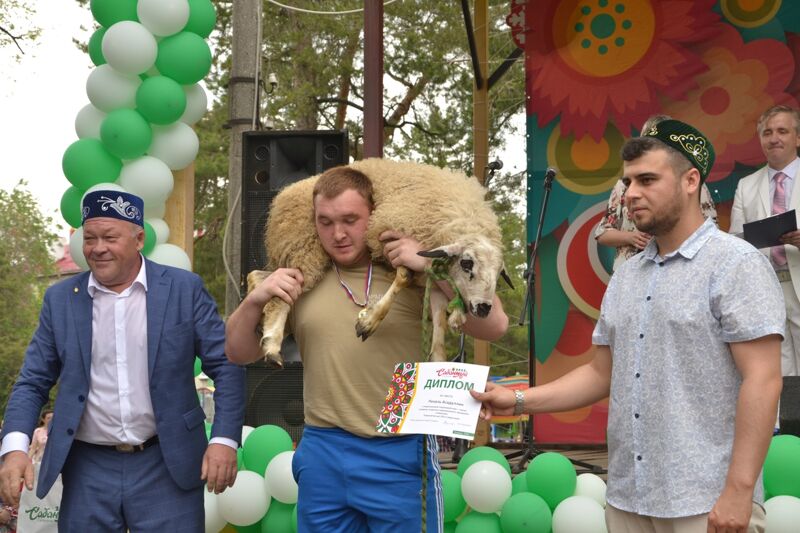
(434, 399)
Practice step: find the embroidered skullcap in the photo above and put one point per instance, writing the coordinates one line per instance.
(113, 204)
(688, 141)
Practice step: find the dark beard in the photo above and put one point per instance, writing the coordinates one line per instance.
(659, 226)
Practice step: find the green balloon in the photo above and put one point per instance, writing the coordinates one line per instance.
(294, 520)
(475, 522)
(450, 527)
(160, 100)
(551, 476)
(126, 134)
(202, 17)
(519, 483)
(526, 513)
(198, 364)
(87, 162)
(252, 528)
(109, 12)
(278, 518)
(782, 466)
(71, 206)
(150, 243)
(264, 443)
(208, 430)
(96, 47)
(482, 453)
(184, 57)
(239, 459)
(454, 502)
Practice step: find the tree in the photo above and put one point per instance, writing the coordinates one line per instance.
(14, 17)
(26, 264)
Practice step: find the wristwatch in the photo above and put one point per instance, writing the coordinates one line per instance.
(519, 404)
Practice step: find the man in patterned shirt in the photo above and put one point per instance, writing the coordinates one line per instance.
(687, 347)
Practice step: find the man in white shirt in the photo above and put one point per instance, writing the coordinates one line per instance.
(128, 433)
(769, 191)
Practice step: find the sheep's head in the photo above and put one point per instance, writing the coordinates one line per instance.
(475, 266)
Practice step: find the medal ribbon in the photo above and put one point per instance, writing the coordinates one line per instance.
(367, 286)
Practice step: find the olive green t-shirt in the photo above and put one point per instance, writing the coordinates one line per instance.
(345, 380)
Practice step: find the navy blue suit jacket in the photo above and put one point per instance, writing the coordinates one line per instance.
(182, 322)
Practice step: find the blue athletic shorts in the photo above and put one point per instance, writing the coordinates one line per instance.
(351, 484)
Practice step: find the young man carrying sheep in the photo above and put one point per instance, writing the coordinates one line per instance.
(350, 478)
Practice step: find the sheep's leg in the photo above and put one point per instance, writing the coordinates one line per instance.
(273, 320)
(276, 312)
(439, 319)
(456, 319)
(370, 317)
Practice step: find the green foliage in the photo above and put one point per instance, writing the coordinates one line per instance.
(26, 264)
(16, 27)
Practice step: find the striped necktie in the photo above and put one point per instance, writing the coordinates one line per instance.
(778, 253)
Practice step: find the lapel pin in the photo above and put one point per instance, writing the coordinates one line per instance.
(75, 289)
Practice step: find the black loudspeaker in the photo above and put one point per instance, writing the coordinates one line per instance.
(789, 416)
(272, 160)
(275, 396)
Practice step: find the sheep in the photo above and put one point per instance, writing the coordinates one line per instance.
(445, 211)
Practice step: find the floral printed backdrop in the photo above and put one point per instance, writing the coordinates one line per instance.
(595, 70)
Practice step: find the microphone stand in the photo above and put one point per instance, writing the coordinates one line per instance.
(531, 450)
(460, 446)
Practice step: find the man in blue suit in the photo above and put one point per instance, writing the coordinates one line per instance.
(127, 434)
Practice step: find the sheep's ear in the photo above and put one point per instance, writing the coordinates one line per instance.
(449, 250)
(504, 275)
(434, 254)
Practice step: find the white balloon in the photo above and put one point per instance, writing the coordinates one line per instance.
(87, 122)
(279, 478)
(783, 514)
(76, 249)
(214, 520)
(149, 178)
(579, 513)
(246, 430)
(108, 89)
(163, 17)
(486, 486)
(171, 255)
(129, 48)
(155, 210)
(247, 501)
(160, 227)
(176, 145)
(196, 103)
(592, 486)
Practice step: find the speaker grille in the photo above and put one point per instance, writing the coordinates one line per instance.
(271, 160)
(275, 396)
(790, 406)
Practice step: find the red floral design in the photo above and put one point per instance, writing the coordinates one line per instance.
(398, 398)
(741, 81)
(591, 61)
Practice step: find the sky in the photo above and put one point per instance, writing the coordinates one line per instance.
(41, 94)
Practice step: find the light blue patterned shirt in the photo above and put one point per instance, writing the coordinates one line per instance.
(674, 384)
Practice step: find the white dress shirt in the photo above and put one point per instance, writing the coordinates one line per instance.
(788, 183)
(118, 407)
